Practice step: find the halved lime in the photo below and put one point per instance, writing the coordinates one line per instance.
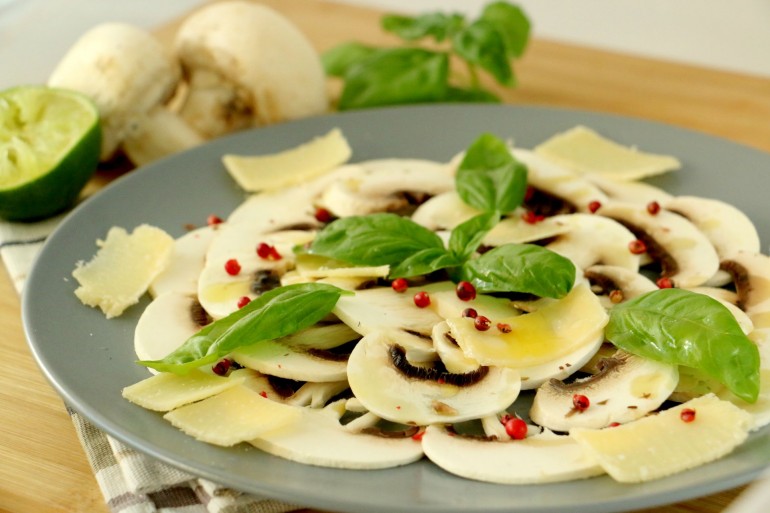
(49, 147)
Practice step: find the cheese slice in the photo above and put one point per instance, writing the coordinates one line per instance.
(167, 391)
(236, 415)
(123, 268)
(664, 444)
(290, 167)
(585, 151)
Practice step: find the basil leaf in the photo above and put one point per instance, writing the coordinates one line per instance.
(376, 239)
(686, 328)
(466, 237)
(521, 268)
(481, 44)
(272, 315)
(489, 178)
(424, 261)
(437, 25)
(511, 23)
(338, 60)
(396, 76)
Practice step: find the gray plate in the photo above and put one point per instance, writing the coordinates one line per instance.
(89, 359)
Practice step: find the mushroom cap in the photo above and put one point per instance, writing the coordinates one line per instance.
(689, 253)
(593, 239)
(124, 70)
(627, 388)
(316, 437)
(261, 53)
(558, 180)
(542, 458)
(388, 392)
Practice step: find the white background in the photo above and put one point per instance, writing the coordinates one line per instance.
(732, 35)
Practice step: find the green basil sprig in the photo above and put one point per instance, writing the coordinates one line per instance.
(401, 75)
(272, 315)
(685, 328)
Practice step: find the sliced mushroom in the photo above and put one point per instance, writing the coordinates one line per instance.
(555, 330)
(626, 388)
(318, 438)
(187, 261)
(443, 212)
(605, 280)
(751, 275)
(560, 368)
(316, 395)
(641, 193)
(728, 229)
(261, 214)
(317, 354)
(382, 309)
(385, 185)
(395, 389)
(542, 458)
(452, 357)
(247, 65)
(167, 322)
(594, 239)
(559, 181)
(685, 254)
(515, 230)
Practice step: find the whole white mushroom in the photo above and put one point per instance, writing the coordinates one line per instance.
(130, 77)
(247, 65)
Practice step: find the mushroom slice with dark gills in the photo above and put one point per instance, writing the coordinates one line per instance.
(167, 322)
(614, 284)
(685, 254)
(317, 354)
(750, 273)
(594, 239)
(388, 185)
(393, 388)
(728, 229)
(558, 182)
(382, 309)
(316, 437)
(626, 388)
(541, 458)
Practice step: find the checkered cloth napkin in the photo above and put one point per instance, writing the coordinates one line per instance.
(130, 481)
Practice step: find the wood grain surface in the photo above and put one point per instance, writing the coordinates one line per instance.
(42, 465)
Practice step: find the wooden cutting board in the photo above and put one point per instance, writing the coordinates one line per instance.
(42, 465)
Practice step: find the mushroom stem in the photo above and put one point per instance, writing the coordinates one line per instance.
(157, 134)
